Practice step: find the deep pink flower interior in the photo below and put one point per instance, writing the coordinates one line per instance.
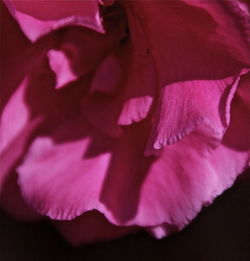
(120, 115)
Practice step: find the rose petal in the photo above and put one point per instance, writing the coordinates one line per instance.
(16, 128)
(38, 18)
(186, 176)
(76, 180)
(82, 51)
(25, 115)
(61, 67)
(128, 188)
(185, 105)
(125, 99)
(187, 55)
(18, 56)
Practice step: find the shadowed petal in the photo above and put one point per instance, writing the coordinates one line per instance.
(12, 202)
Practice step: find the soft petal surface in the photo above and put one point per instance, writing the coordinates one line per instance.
(77, 180)
(220, 170)
(61, 67)
(185, 105)
(29, 105)
(15, 138)
(68, 166)
(39, 17)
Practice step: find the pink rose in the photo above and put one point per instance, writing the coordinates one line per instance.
(120, 116)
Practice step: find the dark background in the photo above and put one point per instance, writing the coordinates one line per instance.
(221, 232)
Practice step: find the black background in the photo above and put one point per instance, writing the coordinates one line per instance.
(221, 232)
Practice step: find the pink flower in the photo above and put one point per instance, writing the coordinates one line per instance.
(122, 116)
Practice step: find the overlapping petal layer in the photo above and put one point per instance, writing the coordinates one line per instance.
(168, 78)
(40, 17)
(127, 187)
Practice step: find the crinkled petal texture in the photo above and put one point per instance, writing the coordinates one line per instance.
(85, 108)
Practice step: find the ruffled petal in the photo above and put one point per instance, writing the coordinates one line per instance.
(107, 175)
(185, 105)
(186, 176)
(38, 18)
(20, 123)
(29, 104)
(76, 180)
(127, 187)
(91, 227)
(18, 56)
(80, 51)
(199, 179)
(186, 58)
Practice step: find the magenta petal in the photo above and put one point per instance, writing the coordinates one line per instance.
(91, 227)
(14, 137)
(37, 18)
(139, 89)
(243, 90)
(80, 52)
(73, 185)
(71, 169)
(185, 105)
(60, 65)
(191, 179)
(127, 187)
